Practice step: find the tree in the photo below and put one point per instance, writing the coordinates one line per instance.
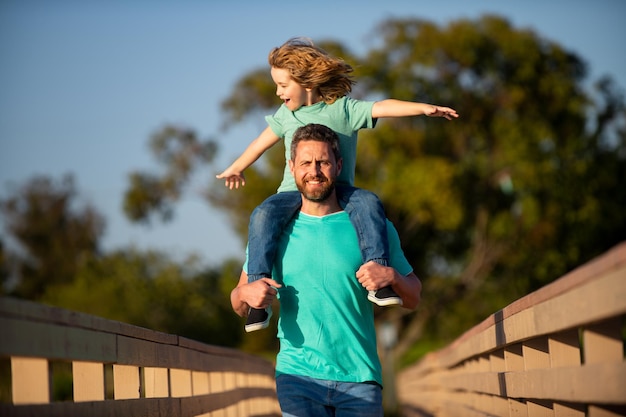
(521, 189)
(179, 150)
(53, 234)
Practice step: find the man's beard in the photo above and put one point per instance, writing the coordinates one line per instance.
(321, 193)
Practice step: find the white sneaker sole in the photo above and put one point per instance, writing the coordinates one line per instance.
(384, 302)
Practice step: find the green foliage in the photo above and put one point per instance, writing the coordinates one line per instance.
(54, 236)
(61, 378)
(152, 291)
(178, 150)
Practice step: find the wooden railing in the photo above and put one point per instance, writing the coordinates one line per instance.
(556, 352)
(115, 369)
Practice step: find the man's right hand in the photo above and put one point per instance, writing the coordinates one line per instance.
(260, 293)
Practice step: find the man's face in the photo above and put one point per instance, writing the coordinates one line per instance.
(315, 170)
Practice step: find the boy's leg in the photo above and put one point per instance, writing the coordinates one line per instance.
(370, 222)
(266, 224)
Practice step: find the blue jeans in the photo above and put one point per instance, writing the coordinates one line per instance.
(301, 396)
(270, 218)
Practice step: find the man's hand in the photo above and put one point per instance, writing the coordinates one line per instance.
(374, 276)
(260, 293)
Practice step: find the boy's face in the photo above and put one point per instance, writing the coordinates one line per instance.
(290, 92)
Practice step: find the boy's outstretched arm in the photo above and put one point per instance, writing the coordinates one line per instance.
(233, 175)
(398, 108)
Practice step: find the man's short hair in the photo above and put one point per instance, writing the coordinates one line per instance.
(318, 133)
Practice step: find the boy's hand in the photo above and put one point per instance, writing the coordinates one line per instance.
(438, 111)
(232, 179)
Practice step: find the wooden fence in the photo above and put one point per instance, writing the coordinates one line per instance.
(556, 352)
(115, 369)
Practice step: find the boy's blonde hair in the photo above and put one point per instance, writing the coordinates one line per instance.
(312, 67)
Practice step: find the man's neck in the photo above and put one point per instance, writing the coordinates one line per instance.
(321, 208)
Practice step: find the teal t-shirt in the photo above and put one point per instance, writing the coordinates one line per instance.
(326, 325)
(345, 116)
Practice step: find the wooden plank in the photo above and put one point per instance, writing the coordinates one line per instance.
(517, 408)
(564, 384)
(216, 382)
(520, 326)
(538, 408)
(602, 342)
(180, 383)
(30, 379)
(29, 311)
(132, 351)
(126, 382)
(569, 410)
(499, 406)
(230, 381)
(573, 384)
(514, 357)
(564, 349)
(88, 381)
(496, 361)
(598, 411)
(597, 300)
(483, 382)
(122, 408)
(156, 382)
(536, 354)
(200, 383)
(484, 364)
(25, 338)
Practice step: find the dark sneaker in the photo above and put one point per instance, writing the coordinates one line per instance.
(384, 297)
(258, 319)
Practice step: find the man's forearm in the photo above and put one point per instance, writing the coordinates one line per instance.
(239, 306)
(409, 288)
(236, 301)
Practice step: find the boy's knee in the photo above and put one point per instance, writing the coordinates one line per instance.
(369, 197)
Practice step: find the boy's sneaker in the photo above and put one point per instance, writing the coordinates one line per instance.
(258, 318)
(385, 296)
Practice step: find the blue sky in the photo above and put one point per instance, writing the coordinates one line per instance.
(84, 83)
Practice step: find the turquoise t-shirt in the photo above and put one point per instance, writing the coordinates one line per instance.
(345, 116)
(326, 325)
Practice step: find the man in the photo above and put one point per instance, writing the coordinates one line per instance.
(327, 363)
